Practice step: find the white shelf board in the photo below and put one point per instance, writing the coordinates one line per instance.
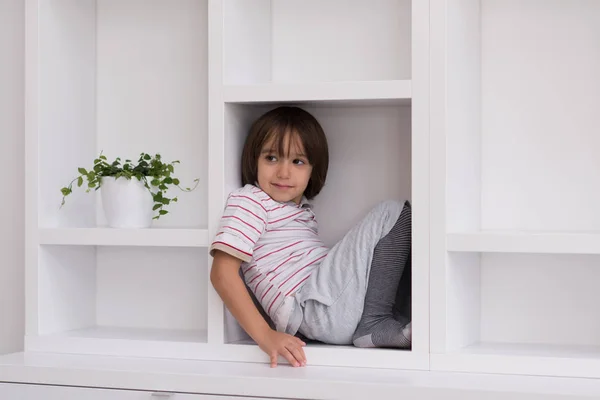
(524, 242)
(341, 356)
(184, 345)
(525, 359)
(351, 93)
(251, 379)
(160, 237)
(120, 341)
(125, 333)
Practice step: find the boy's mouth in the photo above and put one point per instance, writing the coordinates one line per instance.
(280, 186)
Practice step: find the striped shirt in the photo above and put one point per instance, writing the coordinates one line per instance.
(278, 244)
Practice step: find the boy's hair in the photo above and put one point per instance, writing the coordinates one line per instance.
(282, 122)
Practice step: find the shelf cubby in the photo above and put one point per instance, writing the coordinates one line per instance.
(121, 78)
(102, 299)
(526, 313)
(296, 41)
(378, 134)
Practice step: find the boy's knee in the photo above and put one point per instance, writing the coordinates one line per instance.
(392, 207)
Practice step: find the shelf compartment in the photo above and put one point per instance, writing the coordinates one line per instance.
(524, 242)
(111, 296)
(91, 97)
(268, 40)
(155, 237)
(353, 93)
(499, 308)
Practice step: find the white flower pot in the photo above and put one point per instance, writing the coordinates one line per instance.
(127, 203)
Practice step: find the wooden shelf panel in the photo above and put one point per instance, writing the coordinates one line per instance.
(355, 93)
(524, 242)
(159, 237)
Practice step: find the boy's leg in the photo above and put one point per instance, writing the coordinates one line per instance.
(333, 298)
(377, 327)
(402, 306)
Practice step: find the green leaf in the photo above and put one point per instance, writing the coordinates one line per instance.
(168, 180)
(163, 212)
(103, 157)
(65, 191)
(79, 181)
(147, 157)
(82, 171)
(156, 207)
(176, 181)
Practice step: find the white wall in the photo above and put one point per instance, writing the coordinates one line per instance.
(11, 164)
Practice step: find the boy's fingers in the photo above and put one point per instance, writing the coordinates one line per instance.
(290, 357)
(298, 353)
(273, 360)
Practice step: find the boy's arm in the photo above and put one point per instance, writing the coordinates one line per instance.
(225, 278)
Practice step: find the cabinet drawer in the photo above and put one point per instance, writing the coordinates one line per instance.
(9, 391)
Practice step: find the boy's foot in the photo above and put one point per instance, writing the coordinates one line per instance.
(387, 333)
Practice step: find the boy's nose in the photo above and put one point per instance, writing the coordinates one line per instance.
(283, 171)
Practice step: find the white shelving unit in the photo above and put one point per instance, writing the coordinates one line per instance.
(187, 80)
(515, 234)
(482, 112)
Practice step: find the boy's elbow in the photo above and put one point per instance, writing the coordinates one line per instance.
(224, 270)
(216, 275)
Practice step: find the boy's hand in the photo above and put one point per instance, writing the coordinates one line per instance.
(290, 347)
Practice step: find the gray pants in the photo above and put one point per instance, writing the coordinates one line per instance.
(329, 306)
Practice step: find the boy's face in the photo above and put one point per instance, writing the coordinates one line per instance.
(284, 177)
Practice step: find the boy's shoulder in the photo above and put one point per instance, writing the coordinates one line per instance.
(251, 193)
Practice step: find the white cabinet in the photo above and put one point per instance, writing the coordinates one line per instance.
(45, 392)
(490, 128)
(186, 79)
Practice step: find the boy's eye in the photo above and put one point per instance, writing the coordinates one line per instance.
(299, 162)
(270, 158)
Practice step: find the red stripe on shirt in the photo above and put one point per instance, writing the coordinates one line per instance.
(248, 211)
(242, 221)
(233, 247)
(273, 302)
(306, 266)
(237, 230)
(258, 284)
(249, 198)
(276, 268)
(278, 250)
(299, 283)
(288, 217)
(253, 279)
(265, 293)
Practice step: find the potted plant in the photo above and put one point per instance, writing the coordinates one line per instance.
(133, 194)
